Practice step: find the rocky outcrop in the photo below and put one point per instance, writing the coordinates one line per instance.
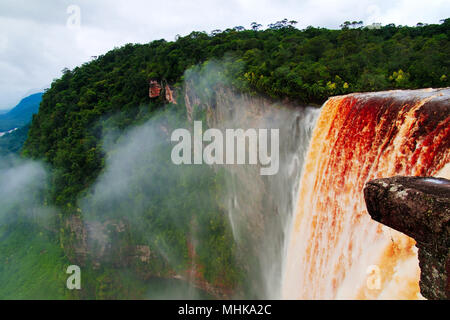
(420, 208)
(96, 242)
(154, 89)
(75, 244)
(163, 90)
(169, 94)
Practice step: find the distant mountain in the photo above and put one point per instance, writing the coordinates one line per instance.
(21, 114)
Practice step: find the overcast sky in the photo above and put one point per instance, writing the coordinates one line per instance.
(40, 38)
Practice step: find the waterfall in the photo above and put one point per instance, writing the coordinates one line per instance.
(259, 208)
(335, 250)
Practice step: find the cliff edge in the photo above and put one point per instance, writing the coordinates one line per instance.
(420, 208)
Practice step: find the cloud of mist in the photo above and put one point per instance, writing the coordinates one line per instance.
(22, 183)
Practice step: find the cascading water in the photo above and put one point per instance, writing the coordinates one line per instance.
(260, 207)
(334, 245)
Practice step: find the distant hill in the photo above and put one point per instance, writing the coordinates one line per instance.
(13, 142)
(21, 114)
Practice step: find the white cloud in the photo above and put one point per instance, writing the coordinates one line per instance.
(36, 44)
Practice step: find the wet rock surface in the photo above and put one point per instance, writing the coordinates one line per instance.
(420, 208)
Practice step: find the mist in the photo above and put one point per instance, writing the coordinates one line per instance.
(22, 183)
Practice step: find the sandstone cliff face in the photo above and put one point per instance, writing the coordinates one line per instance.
(169, 94)
(154, 89)
(99, 244)
(163, 90)
(420, 208)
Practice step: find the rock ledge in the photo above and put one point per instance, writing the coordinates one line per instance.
(420, 208)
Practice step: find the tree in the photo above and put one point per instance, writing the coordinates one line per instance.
(215, 32)
(345, 25)
(256, 26)
(279, 24)
(292, 23)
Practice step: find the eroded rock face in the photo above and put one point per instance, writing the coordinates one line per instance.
(420, 208)
(169, 94)
(157, 89)
(154, 89)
